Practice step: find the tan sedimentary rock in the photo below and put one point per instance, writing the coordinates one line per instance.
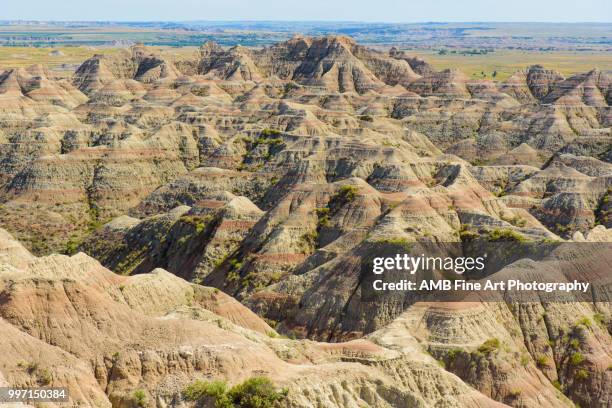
(271, 174)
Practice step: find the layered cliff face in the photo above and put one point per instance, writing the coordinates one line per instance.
(269, 175)
(68, 321)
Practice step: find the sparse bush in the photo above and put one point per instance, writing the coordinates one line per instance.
(514, 393)
(542, 362)
(310, 239)
(270, 132)
(323, 216)
(140, 398)
(346, 194)
(72, 246)
(489, 346)
(517, 221)
(466, 235)
(524, 360)
(198, 222)
(562, 229)
(557, 385)
(581, 374)
(214, 389)
(576, 358)
(44, 376)
(585, 322)
(256, 392)
(453, 354)
(235, 264)
(506, 235)
(399, 242)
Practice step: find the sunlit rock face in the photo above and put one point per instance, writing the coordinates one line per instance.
(268, 176)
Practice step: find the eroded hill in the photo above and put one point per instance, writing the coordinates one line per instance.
(269, 174)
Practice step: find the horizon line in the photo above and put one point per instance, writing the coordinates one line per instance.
(308, 21)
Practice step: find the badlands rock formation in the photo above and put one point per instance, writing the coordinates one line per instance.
(69, 321)
(269, 176)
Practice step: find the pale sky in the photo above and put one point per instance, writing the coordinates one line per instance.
(330, 10)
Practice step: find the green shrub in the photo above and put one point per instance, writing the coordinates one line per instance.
(576, 358)
(543, 362)
(199, 390)
(468, 236)
(345, 194)
(489, 346)
(44, 376)
(506, 235)
(310, 239)
(270, 132)
(256, 392)
(272, 142)
(235, 264)
(398, 242)
(72, 246)
(585, 322)
(581, 374)
(524, 360)
(599, 318)
(140, 398)
(453, 353)
(323, 216)
(198, 222)
(561, 229)
(515, 393)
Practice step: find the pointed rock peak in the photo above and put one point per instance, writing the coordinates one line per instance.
(12, 252)
(210, 47)
(332, 42)
(300, 40)
(37, 70)
(139, 51)
(524, 148)
(540, 81)
(9, 82)
(540, 70)
(240, 205)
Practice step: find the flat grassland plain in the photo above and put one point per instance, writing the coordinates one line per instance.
(500, 64)
(481, 50)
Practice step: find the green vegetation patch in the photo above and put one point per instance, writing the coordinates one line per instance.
(256, 392)
(504, 234)
(489, 346)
